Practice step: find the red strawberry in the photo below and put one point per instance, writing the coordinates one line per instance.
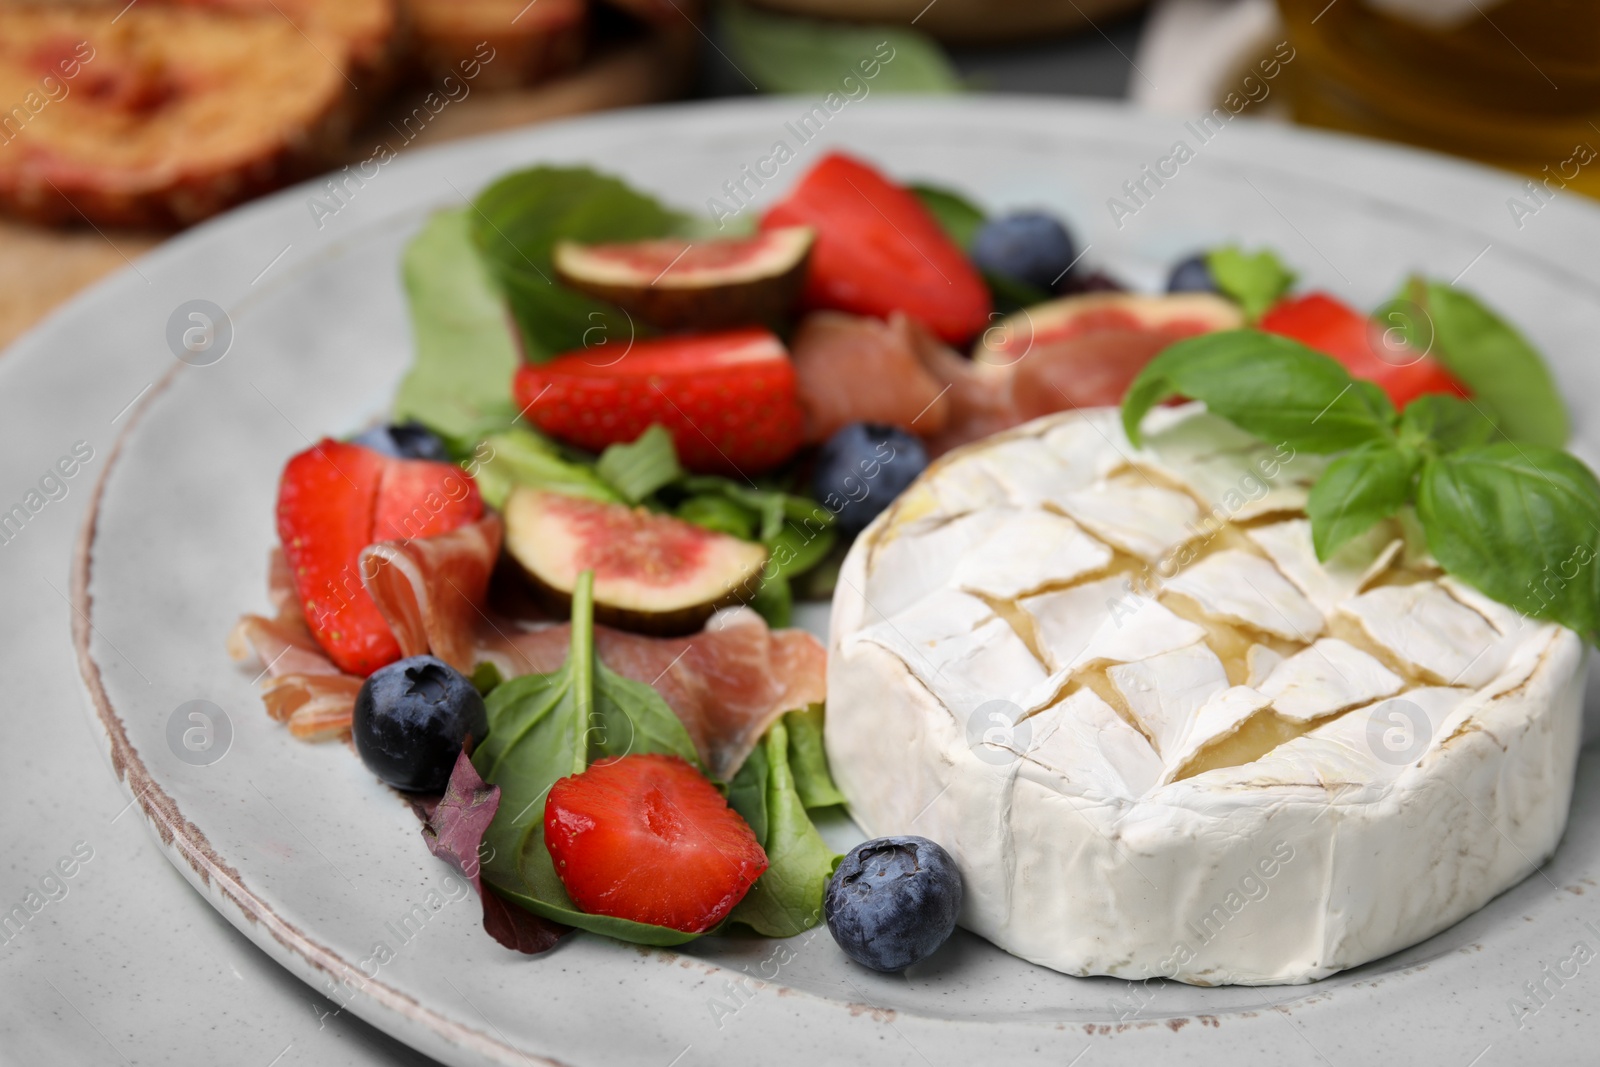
(729, 399)
(648, 838)
(1364, 346)
(878, 250)
(331, 499)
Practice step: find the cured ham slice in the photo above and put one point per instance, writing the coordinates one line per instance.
(429, 589)
(856, 369)
(979, 392)
(726, 684)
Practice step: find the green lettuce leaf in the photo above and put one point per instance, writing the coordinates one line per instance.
(787, 899)
(459, 384)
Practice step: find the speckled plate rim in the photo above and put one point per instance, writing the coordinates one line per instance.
(220, 882)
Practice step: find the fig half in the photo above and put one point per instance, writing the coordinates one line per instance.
(652, 573)
(703, 284)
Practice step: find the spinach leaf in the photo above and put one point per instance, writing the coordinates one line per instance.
(1271, 386)
(459, 384)
(716, 512)
(636, 470)
(1521, 523)
(787, 899)
(1254, 281)
(516, 223)
(785, 54)
(957, 216)
(1505, 373)
(808, 760)
(1357, 490)
(747, 793)
(522, 457)
(542, 728)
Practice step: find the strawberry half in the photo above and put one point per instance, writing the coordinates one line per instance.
(729, 399)
(648, 838)
(334, 499)
(878, 250)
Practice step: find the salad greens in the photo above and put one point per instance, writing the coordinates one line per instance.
(1253, 280)
(544, 727)
(1518, 521)
(515, 224)
(786, 54)
(1493, 360)
(459, 384)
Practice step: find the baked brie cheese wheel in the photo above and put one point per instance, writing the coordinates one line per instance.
(1159, 737)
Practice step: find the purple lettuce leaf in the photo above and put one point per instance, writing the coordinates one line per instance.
(454, 833)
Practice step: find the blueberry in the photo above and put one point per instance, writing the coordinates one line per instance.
(1191, 275)
(1028, 246)
(404, 440)
(411, 719)
(893, 902)
(861, 468)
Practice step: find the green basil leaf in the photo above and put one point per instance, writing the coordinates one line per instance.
(1358, 490)
(1521, 523)
(517, 221)
(459, 384)
(787, 899)
(522, 457)
(786, 54)
(1253, 280)
(808, 760)
(957, 216)
(1270, 386)
(636, 470)
(1505, 373)
(1440, 423)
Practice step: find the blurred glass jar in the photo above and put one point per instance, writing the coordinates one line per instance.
(1515, 83)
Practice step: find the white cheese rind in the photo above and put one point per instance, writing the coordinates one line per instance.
(1080, 853)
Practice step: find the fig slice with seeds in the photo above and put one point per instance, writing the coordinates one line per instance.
(704, 284)
(652, 573)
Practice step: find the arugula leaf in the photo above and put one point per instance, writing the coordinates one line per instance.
(1254, 281)
(957, 216)
(541, 729)
(1271, 386)
(522, 457)
(787, 899)
(636, 470)
(1357, 490)
(1439, 423)
(786, 54)
(515, 225)
(808, 759)
(1505, 373)
(459, 384)
(1521, 523)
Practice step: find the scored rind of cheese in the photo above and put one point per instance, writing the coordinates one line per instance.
(1240, 588)
(1251, 843)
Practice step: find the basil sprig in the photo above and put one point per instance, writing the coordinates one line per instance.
(1516, 520)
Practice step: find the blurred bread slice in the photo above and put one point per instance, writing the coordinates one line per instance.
(366, 30)
(509, 43)
(160, 116)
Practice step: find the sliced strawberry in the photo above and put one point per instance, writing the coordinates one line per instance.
(334, 499)
(421, 498)
(878, 250)
(648, 838)
(1364, 346)
(729, 399)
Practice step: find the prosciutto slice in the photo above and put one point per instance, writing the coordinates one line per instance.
(726, 684)
(429, 589)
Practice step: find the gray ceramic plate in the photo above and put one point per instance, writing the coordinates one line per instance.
(301, 848)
